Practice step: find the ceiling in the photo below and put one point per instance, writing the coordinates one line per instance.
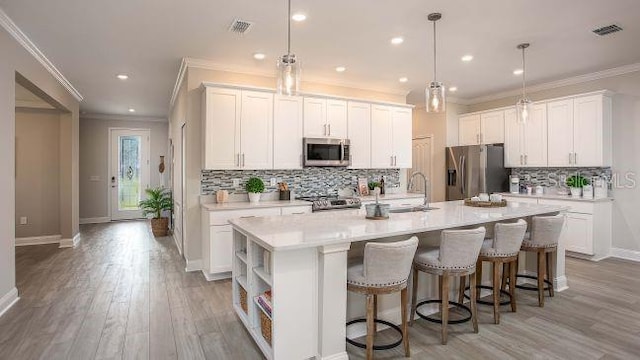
(92, 41)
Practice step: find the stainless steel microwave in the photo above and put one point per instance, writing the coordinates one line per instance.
(326, 152)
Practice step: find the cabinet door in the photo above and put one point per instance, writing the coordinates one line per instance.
(512, 140)
(588, 131)
(578, 233)
(359, 130)
(221, 129)
(256, 132)
(337, 119)
(560, 133)
(535, 137)
(221, 250)
(402, 135)
(469, 130)
(381, 137)
(315, 117)
(492, 127)
(287, 132)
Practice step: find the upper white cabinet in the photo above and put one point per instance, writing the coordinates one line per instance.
(484, 128)
(287, 132)
(526, 144)
(391, 133)
(237, 129)
(359, 130)
(325, 118)
(560, 133)
(513, 139)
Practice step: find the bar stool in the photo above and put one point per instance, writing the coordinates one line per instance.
(502, 249)
(384, 270)
(456, 256)
(543, 240)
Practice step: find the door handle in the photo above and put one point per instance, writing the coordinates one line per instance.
(113, 182)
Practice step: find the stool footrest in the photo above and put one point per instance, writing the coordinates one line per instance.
(532, 287)
(439, 321)
(486, 302)
(376, 347)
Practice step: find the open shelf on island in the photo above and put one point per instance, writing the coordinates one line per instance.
(259, 271)
(242, 280)
(242, 255)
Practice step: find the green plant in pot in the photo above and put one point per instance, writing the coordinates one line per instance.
(158, 200)
(254, 187)
(576, 183)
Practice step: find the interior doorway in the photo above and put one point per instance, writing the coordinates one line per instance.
(422, 161)
(129, 171)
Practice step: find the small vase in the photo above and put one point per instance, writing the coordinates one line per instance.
(576, 192)
(254, 198)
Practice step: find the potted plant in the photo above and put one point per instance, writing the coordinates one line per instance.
(254, 187)
(575, 183)
(158, 200)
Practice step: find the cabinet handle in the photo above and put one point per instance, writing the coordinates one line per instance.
(242, 159)
(238, 160)
(526, 159)
(395, 160)
(570, 159)
(329, 129)
(575, 158)
(325, 130)
(298, 213)
(521, 160)
(246, 217)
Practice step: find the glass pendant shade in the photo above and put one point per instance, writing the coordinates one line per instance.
(288, 75)
(523, 110)
(435, 97)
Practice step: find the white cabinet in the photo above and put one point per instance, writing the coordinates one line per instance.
(526, 144)
(484, 128)
(579, 233)
(237, 129)
(391, 133)
(469, 130)
(287, 132)
(512, 139)
(325, 118)
(359, 130)
(560, 133)
(220, 250)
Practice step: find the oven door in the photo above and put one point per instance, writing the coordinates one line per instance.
(326, 152)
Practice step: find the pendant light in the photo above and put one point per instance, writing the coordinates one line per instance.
(288, 66)
(523, 106)
(435, 91)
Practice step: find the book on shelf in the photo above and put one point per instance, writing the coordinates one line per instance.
(264, 301)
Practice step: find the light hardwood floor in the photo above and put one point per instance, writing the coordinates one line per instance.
(124, 295)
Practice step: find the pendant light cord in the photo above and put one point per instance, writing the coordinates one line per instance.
(435, 77)
(289, 29)
(524, 72)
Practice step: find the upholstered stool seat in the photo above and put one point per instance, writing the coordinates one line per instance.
(456, 256)
(384, 269)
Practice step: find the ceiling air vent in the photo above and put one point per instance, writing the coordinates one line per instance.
(606, 30)
(239, 26)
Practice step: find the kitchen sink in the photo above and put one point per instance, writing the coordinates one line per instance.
(412, 209)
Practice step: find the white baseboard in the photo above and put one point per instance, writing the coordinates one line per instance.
(193, 265)
(175, 240)
(619, 253)
(70, 243)
(7, 301)
(95, 220)
(339, 356)
(38, 240)
(218, 276)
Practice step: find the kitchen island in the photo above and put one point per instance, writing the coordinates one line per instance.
(305, 269)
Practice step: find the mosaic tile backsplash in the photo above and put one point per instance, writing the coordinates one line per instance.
(306, 182)
(551, 176)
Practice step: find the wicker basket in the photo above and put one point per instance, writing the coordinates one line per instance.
(485, 204)
(160, 227)
(265, 326)
(243, 299)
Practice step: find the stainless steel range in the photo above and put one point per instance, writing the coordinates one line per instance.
(323, 203)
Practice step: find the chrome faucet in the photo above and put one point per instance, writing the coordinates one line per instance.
(426, 187)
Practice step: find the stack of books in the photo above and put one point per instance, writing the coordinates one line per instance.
(264, 301)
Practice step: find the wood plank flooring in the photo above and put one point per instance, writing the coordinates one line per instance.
(124, 295)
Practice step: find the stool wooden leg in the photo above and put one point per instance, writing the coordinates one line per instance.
(370, 326)
(550, 272)
(474, 305)
(375, 313)
(463, 280)
(505, 276)
(414, 296)
(512, 281)
(478, 278)
(496, 291)
(405, 333)
(541, 274)
(444, 306)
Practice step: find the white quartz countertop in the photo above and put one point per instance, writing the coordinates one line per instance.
(397, 196)
(288, 232)
(557, 197)
(243, 205)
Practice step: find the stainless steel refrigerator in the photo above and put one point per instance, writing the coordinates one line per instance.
(475, 169)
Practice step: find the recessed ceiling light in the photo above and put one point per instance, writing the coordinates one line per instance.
(341, 69)
(467, 58)
(122, 76)
(299, 17)
(259, 56)
(132, 110)
(403, 79)
(517, 72)
(453, 89)
(397, 40)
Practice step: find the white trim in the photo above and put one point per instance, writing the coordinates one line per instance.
(217, 276)
(619, 253)
(22, 39)
(8, 300)
(38, 240)
(97, 116)
(176, 87)
(95, 220)
(339, 356)
(34, 104)
(70, 243)
(193, 265)
(621, 70)
(175, 240)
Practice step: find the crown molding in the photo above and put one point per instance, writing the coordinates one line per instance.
(117, 117)
(22, 39)
(176, 87)
(621, 70)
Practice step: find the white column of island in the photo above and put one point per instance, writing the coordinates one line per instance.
(306, 269)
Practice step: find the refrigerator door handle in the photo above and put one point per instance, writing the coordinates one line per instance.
(462, 173)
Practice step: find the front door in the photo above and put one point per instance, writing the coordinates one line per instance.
(128, 172)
